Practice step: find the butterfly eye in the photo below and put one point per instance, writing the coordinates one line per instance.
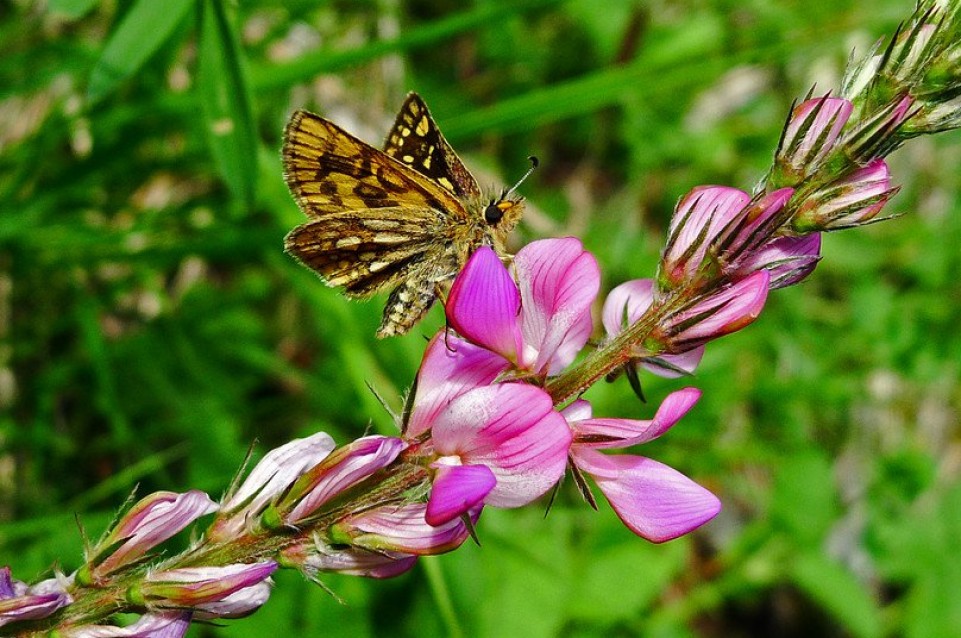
(493, 214)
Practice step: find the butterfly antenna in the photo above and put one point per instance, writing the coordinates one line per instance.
(534, 164)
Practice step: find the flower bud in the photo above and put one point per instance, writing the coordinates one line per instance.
(728, 310)
(194, 587)
(787, 259)
(809, 137)
(403, 528)
(19, 602)
(852, 200)
(317, 558)
(170, 624)
(151, 521)
(698, 219)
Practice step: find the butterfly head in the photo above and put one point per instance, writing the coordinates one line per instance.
(505, 211)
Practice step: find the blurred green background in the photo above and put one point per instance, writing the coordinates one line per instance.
(151, 326)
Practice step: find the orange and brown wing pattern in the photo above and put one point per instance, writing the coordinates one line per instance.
(329, 170)
(416, 141)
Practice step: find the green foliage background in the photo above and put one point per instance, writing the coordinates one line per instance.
(152, 327)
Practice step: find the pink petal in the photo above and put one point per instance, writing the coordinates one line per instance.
(685, 361)
(818, 138)
(725, 312)
(787, 259)
(511, 428)
(357, 562)
(405, 528)
(626, 303)
(653, 500)
(558, 282)
(451, 367)
(620, 433)
(484, 304)
(455, 490)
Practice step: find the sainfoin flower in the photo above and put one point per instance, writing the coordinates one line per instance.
(20, 602)
(161, 624)
(651, 499)
(197, 587)
(539, 323)
(810, 135)
(152, 520)
(502, 445)
(681, 335)
(849, 201)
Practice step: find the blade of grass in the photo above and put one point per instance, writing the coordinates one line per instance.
(325, 61)
(226, 102)
(144, 28)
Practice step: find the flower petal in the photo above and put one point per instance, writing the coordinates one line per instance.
(558, 282)
(455, 490)
(513, 429)
(406, 529)
(653, 500)
(451, 367)
(620, 433)
(625, 304)
(722, 313)
(484, 304)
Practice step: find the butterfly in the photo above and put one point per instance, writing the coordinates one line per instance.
(405, 219)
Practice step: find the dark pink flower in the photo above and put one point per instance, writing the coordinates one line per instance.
(810, 135)
(502, 445)
(541, 322)
(652, 499)
(728, 310)
(787, 259)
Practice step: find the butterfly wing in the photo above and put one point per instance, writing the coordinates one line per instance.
(416, 141)
(374, 222)
(329, 171)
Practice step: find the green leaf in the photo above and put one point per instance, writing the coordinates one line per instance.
(226, 103)
(838, 592)
(73, 9)
(145, 27)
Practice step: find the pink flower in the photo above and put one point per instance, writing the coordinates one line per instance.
(194, 587)
(852, 200)
(404, 529)
(20, 602)
(276, 472)
(319, 558)
(341, 470)
(624, 306)
(787, 259)
(170, 624)
(541, 322)
(148, 523)
(698, 219)
(502, 445)
(810, 135)
(653, 500)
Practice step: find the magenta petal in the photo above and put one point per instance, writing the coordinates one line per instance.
(451, 367)
(655, 501)
(626, 303)
(725, 312)
(513, 429)
(404, 528)
(620, 433)
(455, 490)
(558, 282)
(484, 304)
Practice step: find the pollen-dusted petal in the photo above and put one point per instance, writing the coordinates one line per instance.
(513, 429)
(558, 281)
(653, 500)
(451, 367)
(455, 490)
(484, 304)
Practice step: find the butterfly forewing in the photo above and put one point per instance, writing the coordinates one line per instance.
(416, 141)
(395, 219)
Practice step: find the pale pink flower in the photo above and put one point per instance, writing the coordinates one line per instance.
(194, 587)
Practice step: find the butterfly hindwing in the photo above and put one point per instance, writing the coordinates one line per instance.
(416, 141)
